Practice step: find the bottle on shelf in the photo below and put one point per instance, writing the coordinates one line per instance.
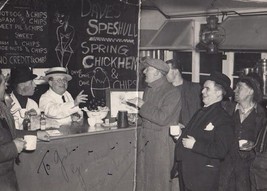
(42, 121)
(26, 122)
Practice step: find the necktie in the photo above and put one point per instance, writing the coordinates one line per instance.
(63, 98)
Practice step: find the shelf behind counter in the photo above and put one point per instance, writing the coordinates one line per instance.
(81, 159)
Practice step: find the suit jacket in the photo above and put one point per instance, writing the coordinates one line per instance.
(212, 127)
(237, 159)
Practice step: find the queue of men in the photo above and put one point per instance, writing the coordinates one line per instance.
(216, 147)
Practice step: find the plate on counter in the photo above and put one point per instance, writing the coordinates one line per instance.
(114, 124)
(54, 132)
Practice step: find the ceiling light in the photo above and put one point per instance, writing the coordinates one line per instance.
(211, 35)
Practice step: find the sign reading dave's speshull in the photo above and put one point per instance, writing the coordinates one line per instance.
(97, 40)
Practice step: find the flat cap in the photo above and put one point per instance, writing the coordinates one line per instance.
(156, 63)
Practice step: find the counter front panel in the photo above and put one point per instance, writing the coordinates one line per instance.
(85, 162)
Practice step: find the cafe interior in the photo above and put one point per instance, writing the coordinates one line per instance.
(208, 35)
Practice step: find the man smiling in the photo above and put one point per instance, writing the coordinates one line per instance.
(207, 138)
(57, 102)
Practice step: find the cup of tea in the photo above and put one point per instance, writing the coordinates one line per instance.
(31, 142)
(122, 119)
(175, 130)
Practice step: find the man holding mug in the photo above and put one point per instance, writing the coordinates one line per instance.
(207, 138)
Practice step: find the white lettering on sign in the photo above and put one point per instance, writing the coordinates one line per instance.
(99, 11)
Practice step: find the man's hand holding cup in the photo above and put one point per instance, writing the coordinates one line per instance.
(176, 130)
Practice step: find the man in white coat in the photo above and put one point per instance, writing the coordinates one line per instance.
(23, 86)
(57, 102)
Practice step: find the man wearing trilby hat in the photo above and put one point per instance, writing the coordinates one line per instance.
(207, 138)
(57, 102)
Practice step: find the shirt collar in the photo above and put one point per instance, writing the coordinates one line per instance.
(55, 94)
(206, 107)
(238, 107)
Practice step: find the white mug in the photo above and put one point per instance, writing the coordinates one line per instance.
(242, 141)
(175, 130)
(31, 142)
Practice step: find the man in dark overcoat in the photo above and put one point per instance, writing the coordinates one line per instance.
(206, 139)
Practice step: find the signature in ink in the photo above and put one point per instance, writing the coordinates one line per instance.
(58, 159)
(44, 165)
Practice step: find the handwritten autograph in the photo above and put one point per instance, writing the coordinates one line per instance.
(60, 160)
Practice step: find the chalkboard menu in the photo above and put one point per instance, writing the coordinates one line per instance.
(96, 40)
(23, 36)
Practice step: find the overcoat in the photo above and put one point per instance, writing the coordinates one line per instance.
(155, 153)
(212, 128)
(8, 150)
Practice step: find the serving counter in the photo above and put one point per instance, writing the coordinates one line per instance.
(81, 159)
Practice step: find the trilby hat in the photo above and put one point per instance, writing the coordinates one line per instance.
(21, 74)
(223, 80)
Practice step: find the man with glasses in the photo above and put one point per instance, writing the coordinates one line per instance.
(57, 102)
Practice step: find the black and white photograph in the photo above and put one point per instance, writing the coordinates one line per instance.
(133, 95)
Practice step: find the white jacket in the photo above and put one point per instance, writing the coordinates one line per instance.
(54, 107)
(18, 112)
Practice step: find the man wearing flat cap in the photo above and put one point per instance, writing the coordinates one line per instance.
(159, 108)
(249, 118)
(206, 139)
(23, 86)
(57, 102)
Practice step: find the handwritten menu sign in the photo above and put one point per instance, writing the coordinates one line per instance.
(22, 39)
(96, 40)
(108, 46)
